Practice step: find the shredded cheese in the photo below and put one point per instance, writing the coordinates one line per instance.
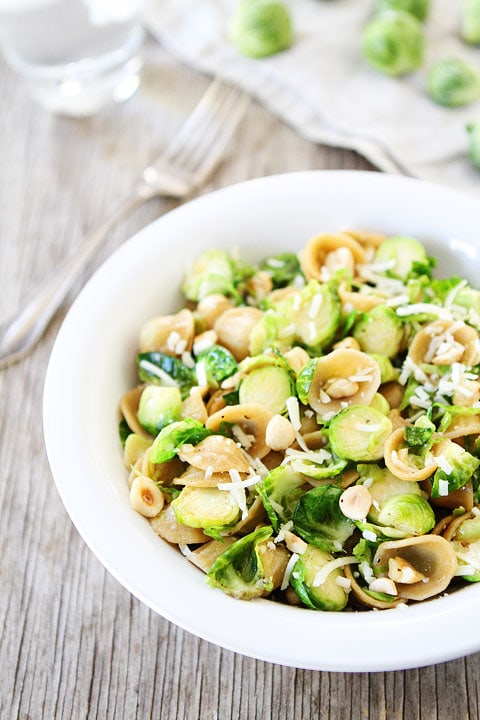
(329, 567)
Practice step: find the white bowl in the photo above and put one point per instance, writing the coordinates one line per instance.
(92, 364)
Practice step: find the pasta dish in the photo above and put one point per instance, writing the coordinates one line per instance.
(307, 428)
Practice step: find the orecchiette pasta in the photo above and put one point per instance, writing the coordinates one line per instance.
(308, 428)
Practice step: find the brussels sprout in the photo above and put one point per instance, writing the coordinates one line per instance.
(328, 595)
(380, 403)
(421, 433)
(403, 252)
(359, 433)
(159, 406)
(417, 8)
(274, 330)
(206, 508)
(215, 271)
(283, 269)
(456, 467)
(239, 571)
(380, 332)
(469, 530)
(393, 43)
(409, 513)
(326, 466)
(387, 371)
(453, 82)
(158, 368)
(468, 553)
(473, 130)
(470, 28)
(304, 380)
(267, 386)
(261, 27)
(124, 431)
(382, 485)
(318, 315)
(319, 521)
(216, 363)
(280, 491)
(172, 437)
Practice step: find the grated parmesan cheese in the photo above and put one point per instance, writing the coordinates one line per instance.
(329, 567)
(288, 571)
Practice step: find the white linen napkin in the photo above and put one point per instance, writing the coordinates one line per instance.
(322, 87)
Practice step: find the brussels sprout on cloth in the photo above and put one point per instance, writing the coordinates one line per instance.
(261, 27)
(393, 43)
(470, 28)
(417, 8)
(453, 82)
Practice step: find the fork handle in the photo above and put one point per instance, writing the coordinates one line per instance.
(20, 333)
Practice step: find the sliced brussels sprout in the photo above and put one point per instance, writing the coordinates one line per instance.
(215, 364)
(327, 595)
(388, 373)
(158, 368)
(403, 252)
(393, 43)
(159, 406)
(380, 403)
(206, 508)
(359, 433)
(410, 513)
(172, 437)
(239, 571)
(124, 431)
(260, 28)
(453, 82)
(274, 329)
(268, 386)
(133, 449)
(455, 468)
(318, 519)
(470, 27)
(215, 272)
(382, 485)
(326, 467)
(318, 315)
(380, 333)
(420, 433)
(417, 8)
(283, 269)
(280, 491)
(304, 380)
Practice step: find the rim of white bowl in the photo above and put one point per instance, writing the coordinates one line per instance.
(82, 459)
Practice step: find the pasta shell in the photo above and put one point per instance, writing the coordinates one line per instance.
(354, 367)
(215, 453)
(461, 342)
(170, 334)
(399, 466)
(129, 409)
(233, 328)
(315, 253)
(166, 525)
(251, 419)
(430, 555)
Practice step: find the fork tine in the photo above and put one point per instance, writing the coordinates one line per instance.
(201, 114)
(219, 137)
(220, 117)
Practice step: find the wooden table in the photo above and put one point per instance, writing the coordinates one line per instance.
(74, 643)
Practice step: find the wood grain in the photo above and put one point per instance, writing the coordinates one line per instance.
(74, 643)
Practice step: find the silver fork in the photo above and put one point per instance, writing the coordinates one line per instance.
(187, 162)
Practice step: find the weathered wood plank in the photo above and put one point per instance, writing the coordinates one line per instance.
(74, 643)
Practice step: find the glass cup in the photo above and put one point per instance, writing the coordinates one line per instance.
(75, 55)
